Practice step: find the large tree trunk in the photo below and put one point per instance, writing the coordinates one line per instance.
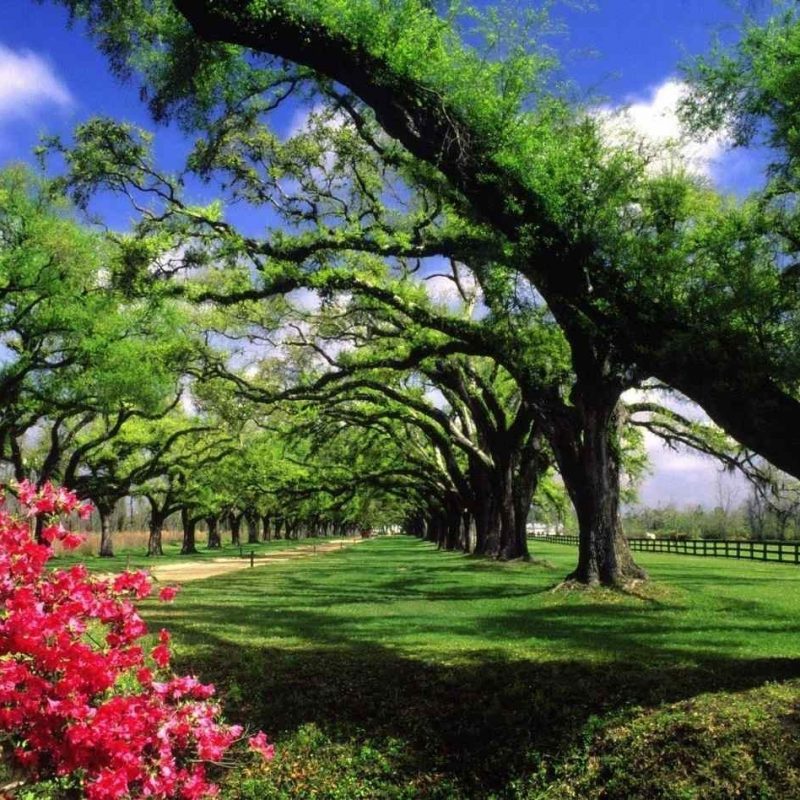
(467, 535)
(524, 489)
(38, 527)
(415, 525)
(236, 525)
(154, 547)
(266, 528)
(214, 540)
(434, 524)
(189, 524)
(517, 490)
(485, 525)
(512, 545)
(492, 537)
(251, 520)
(530, 464)
(451, 538)
(483, 510)
(106, 538)
(424, 527)
(592, 478)
(494, 514)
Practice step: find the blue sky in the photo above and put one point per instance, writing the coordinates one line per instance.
(638, 45)
(626, 52)
(621, 50)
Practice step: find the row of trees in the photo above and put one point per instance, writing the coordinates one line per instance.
(577, 268)
(111, 396)
(116, 396)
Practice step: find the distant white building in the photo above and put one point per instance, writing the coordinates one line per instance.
(540, 529)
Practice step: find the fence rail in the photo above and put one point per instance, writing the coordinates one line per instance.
(783, 552)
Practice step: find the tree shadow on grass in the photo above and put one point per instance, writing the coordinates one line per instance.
(478, 725)
(515, 686)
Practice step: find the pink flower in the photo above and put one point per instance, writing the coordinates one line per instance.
(260, 744)
(44, 505)
(72, 540)
(144, 676)
(60, 709)
(26, 491)
(137, 582)
(160, 653)
(52, 532)
(167, 594)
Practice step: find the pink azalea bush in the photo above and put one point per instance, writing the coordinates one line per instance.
(78, 694)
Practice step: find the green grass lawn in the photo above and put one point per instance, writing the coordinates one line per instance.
(391, 670)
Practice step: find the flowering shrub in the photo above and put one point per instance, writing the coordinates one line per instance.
(78, 694)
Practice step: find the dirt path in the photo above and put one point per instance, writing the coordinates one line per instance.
(211, 567)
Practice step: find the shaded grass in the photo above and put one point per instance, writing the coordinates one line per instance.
(393, 671)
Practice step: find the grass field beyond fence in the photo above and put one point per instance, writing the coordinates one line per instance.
(391, 670)
(780, 551)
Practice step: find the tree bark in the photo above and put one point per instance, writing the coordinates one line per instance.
(38, 527)
(154, 546)
(451, 538)
(434, 524)
(214, 540)
(251, 519)
(415, 525)
(494, 516)
(591, 473)
(530, 463)
(467, 534)
(266, 528)
(106, 536)
(189, 524)
(512, 499)
(236, 525)
(483, 510)
(493, 533)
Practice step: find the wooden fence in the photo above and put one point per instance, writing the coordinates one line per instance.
(784, 552)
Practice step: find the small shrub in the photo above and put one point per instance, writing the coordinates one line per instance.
(81, 705)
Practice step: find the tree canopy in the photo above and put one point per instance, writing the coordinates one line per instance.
(579, 264)
(538, 175)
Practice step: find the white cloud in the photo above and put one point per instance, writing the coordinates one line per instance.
(188, 405)
(305, 300)
(654, 119)
(442, 288)
(683, 479)
(300, 121)
(305, 117)
(28, 82)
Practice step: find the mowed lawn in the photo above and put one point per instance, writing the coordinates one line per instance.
(391, 670)
(134, 556)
